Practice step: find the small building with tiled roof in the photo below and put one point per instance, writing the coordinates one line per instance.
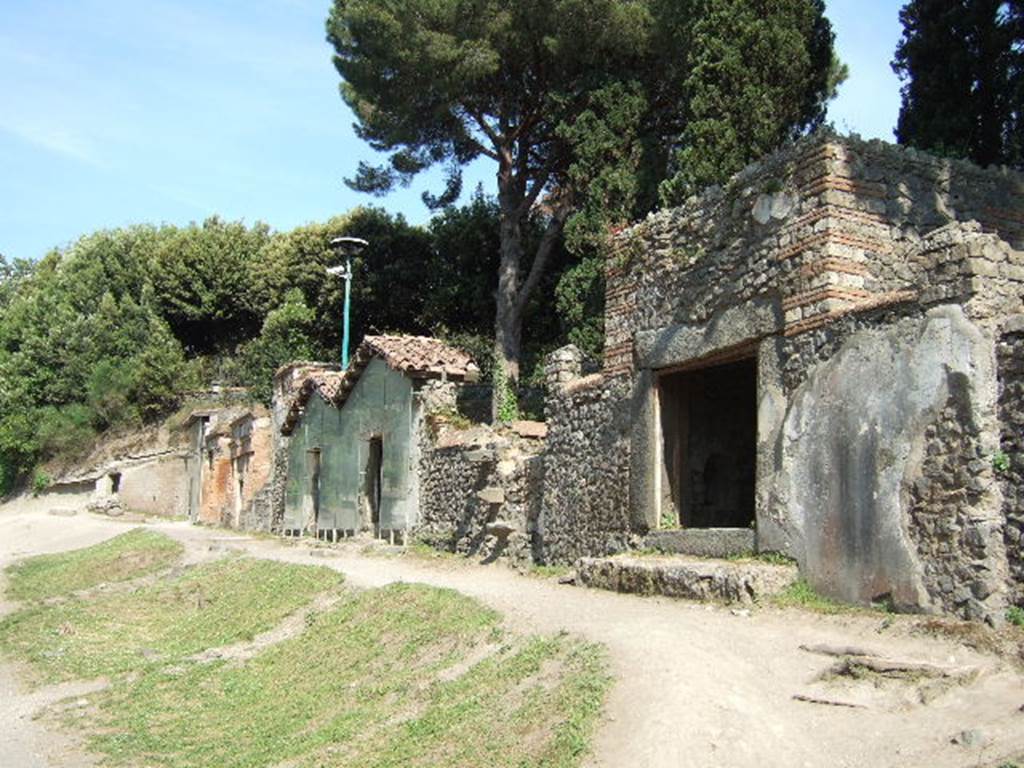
(351, 439)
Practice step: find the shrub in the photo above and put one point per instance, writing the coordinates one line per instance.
(40, 482)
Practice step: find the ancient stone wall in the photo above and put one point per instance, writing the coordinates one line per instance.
(869, 282)
(480, 490)
(585, 509)
(1009, 463)
(156, 487)
(821, 229)
(257, 446)
(216, 496)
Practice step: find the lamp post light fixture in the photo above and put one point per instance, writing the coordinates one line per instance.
(347, 247)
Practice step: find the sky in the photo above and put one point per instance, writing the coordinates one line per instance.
(115, 112)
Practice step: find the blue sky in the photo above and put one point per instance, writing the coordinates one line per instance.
(121, 111)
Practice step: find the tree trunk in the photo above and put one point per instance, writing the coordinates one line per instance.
(514, 204)
(508, 323)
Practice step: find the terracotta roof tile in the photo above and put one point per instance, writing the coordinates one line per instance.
(326, 383)
(418, 357)
(421, 357)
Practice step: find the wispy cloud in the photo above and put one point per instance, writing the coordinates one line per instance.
(54, 139)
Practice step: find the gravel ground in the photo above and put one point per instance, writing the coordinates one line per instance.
(695, 685)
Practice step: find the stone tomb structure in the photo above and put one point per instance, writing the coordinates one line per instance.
(350, 444)
(229, 467)
(823, 359)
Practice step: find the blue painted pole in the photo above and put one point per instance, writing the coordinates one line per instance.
(348, 307)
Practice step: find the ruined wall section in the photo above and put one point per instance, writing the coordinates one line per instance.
(824, 250)
(830, 226)
(1009, 464)
(254, 441)
(480, 490)
(585, 508)
(155, 487)
(960, 570)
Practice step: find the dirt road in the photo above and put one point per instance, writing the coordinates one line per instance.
(696, 685)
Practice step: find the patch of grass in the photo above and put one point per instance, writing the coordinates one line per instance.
(136, 553)
(769, 558)
(549, 571)
(40, 482)
(802, 595)
(205, 607)
(1001, 462)
(1015, 615)
(404, 675)
(449, 417)
(428, 551)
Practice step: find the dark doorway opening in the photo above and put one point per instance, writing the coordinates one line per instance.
(115, 482)
(312, 501)
(372, 482)
(709, 445)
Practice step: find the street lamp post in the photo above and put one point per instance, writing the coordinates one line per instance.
(347, 247)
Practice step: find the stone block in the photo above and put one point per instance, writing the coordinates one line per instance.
(688, 578)
(703, 542)
(536, 430)
(492, 495)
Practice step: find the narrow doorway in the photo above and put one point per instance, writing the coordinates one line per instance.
(709, 445)
(241, 468)
(372, 482)
(311, 500)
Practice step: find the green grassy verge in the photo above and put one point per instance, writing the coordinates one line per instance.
(386, 679)
(407, 675)
(130, 555)
(205, 607)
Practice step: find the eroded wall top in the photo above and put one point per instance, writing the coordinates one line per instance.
(829, 226)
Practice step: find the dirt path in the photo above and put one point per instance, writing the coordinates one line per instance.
(696, 685)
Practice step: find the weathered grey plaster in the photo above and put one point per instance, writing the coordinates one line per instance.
(852, 442)
(771, 415)
(644, 466)
(681, 344)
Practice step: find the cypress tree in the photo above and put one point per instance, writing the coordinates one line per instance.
(962, 63)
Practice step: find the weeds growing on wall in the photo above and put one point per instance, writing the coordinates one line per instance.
(505, 397)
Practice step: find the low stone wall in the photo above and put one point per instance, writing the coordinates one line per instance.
(686, 577)
(480, 491)
(155, 487)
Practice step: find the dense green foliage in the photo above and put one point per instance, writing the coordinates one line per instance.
(963, 66)
(584, 107)
(116, 329)
(755, 75)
